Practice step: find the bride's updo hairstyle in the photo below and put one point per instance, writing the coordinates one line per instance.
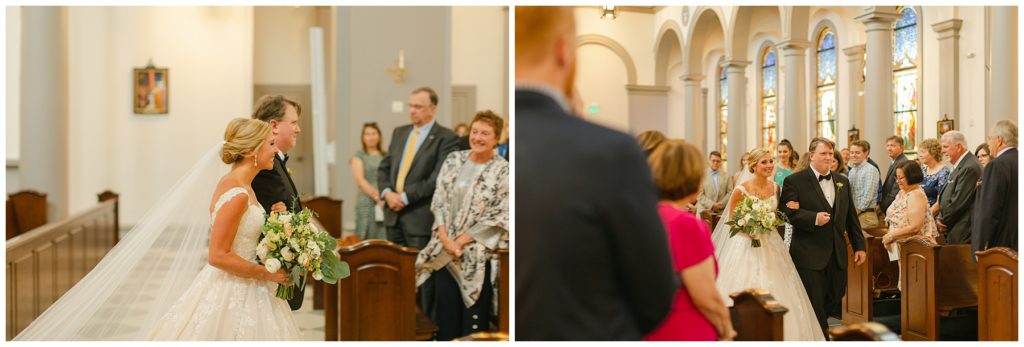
(678, 169)
(756, 154)
(242, 137)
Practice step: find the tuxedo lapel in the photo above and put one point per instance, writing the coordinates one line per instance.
(286, 179)
(817, 187)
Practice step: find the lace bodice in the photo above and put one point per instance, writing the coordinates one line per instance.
(248, 233)
(743, 190)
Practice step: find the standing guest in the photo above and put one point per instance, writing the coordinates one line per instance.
(787, 161)
(957, 197)
(803, 163)
(864, 182)
(364, 165)
(593, 261)
(470, 207)
(461, 130)
(649, 139)
(846, 157)
(909, 216)
(995, 208)
(894, 147)
(275, 189)
(743, 164)
(936, 173)
(716, 188)
(698, 312)
(983, 154)
(838, 163)
(407, 177)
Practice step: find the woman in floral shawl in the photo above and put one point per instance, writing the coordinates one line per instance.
(470, 207)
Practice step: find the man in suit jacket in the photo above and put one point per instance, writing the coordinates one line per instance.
(894, 146)
(592, 261)
(957, 197)
(407, 176)
(275, 189)
(825, 216)
(995, 209)
(716, 188)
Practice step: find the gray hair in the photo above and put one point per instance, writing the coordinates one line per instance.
(955, 137)
(1006, 130)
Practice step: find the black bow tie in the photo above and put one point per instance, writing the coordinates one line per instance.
(825, 177)
(285, 160)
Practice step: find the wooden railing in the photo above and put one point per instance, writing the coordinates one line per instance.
(43, 263)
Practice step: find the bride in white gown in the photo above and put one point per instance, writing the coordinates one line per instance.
(176, 277)
(769, 266)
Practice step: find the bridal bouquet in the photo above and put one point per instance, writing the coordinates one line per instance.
(291, 242)
(754, 217)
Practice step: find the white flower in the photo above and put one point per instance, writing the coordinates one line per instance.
(273, 265)
(303, 259)
(273, 237)
(310, 244)
(287, 254)
(284, 218)
(742, 222)
(261, 250)
(294, 244)
(318, 275)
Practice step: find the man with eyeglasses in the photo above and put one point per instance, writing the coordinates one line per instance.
(407, 176)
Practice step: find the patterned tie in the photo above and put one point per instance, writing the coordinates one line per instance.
(408, 156)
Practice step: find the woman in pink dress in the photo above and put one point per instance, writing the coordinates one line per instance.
(698, 312)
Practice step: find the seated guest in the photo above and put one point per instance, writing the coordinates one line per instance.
(909, 216)
(716, 188)
(698, 312)
(470, 207)
(864, 182)
(957, 197)
(983, 154)
(994, 223)
(935, 171)
(650, 139)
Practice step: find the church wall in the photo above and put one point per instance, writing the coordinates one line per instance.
(208, 51)
(633, 30)
(601, 80)
(13, 101)
(479, 53)
(281, 45)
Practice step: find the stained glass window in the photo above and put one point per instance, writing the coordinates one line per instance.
(826, 84)
(769, 97)
(905, 62)
(723, 112)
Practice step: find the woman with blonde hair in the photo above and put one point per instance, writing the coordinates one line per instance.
(650, 139)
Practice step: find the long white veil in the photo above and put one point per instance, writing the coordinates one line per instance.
(721, 231)
(153, 264)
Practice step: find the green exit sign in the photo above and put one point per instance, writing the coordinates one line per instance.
(594, 109)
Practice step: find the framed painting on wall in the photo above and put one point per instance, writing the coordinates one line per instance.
(852, 135)
(944, 125)
(149, 90)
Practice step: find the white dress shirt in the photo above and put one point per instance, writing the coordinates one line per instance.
(827, 186)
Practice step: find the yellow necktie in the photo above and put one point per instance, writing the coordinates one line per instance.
(408, 156)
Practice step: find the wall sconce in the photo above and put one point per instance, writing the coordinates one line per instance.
(399, 69)
(609, 12)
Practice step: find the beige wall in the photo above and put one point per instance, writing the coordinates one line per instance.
(281, 44)
(208, 51)
(13, 56)
(479, 53)
(601, 81)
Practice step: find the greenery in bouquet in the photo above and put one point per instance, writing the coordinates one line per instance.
(755, 217)
(290, 241)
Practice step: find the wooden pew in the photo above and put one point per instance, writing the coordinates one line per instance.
(503, 293)
(872, 284)
(868, 331)
(484, 336)
(377, 302)
(43, 263)
(26, 210)
(997, 294)
(756, 316)
(329, 214)
(937, 282)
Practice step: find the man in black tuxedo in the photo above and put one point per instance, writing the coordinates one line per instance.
(826, 213)
(957, 197)
(407, 176)
(592, 260)
(894, 146)
(275, 189)
(995, 208)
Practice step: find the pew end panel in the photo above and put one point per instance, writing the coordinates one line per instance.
(997, 294)
(867, 331)
(756, 316)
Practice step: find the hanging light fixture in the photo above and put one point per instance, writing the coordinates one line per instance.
(609, 12)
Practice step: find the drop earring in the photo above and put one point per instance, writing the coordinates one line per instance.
(254, 163)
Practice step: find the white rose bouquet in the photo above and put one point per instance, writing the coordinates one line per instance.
(755, 217)
(291, 242)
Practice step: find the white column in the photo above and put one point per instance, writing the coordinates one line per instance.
(794, 92)
(736, 79)
(949, 68)
(706, 145)
(44, 107)
(855, 62)
(1003, 89)
(694, 123)
(878, 107)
